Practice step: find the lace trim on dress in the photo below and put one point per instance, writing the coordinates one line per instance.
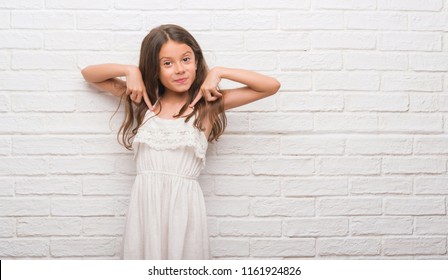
(173, 139)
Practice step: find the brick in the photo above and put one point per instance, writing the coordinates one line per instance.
(283, 166)
(414, 246)
(427, 22)
(48, 185)
(284, 4)
(63, 40)
(109, 21)
(416, 165)
(25, 4)
(223, 166)
(207, 5)
(345, 122)
(348, 166)
(412, 82)
(23, 166)
(315, 227)
(107, 186)
(225, 247)
(264, 61)
(247, 186)
(435, 225)
(220, 41)
(248, 145)
(259, 20)
(7, 187)
(73, 165)
(338, 40)
(311, 21)
(264, 228)
(381, 226)
(14, 82)
(378, 145)
(7, 227)
(312, 145)
(212, 227)
(21, 40)
(202, 20)
(347, 81)
(435, 145)
(375, 61)
(103, 226)
(5, 146)
(411, 123)
(81, 4)
(311, 102)
(431, 185)
(298, 81)
(23, 248)
(83, 207)
(414, 206)
(315, 187)
(380, 185)
(409, 41)
(349, 206)
(288, 207)
(291, 247)
(310, 61)
(377, 102)
(428, 62)
(42, 20)
(34, 227)
(280, 123)
(38, 102)
(4, 64)
(410, 5)
(4, 22)
(31, 145)
(273, 41)
(16, 207)
(428, 103)
(349, 247)
(377, 21)
(83, 247)
(227, 207)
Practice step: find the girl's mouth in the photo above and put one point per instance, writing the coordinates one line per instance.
(181, 81)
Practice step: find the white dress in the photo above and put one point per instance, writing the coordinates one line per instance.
(166, 218)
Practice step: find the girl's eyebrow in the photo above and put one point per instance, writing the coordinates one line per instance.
(171, 57)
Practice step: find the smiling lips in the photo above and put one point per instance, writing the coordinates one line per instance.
(181, 81)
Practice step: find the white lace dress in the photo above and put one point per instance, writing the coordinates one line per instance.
(166, 218)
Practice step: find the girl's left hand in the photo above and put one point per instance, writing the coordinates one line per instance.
(209, 88)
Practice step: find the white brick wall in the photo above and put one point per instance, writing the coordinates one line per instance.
(348, 160)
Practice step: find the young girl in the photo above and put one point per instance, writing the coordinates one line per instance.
(166, 218)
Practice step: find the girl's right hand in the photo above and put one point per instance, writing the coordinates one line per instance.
(135, 87)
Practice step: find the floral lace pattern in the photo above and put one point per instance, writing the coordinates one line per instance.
(173, 138)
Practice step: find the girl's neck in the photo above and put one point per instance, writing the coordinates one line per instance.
(174, 99)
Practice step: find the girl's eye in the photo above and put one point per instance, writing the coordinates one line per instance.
(167, 63)
(187, 59)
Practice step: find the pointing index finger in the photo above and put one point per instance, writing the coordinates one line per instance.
(198, 97)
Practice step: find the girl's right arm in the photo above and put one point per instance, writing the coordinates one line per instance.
(104, 76)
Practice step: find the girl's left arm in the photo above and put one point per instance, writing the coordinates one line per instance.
(258, 86)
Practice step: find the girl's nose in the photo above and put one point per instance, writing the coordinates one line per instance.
(179, 68)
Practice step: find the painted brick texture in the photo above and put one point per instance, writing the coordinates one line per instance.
(348, 160)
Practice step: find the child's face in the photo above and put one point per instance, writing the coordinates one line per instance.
(177, 67)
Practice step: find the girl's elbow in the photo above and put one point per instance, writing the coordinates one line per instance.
(275, 87)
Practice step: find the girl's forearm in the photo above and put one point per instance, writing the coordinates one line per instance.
(254, 80)
(101, 72)
(115, 86)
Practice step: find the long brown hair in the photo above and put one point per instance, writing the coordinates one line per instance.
(150, 69)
